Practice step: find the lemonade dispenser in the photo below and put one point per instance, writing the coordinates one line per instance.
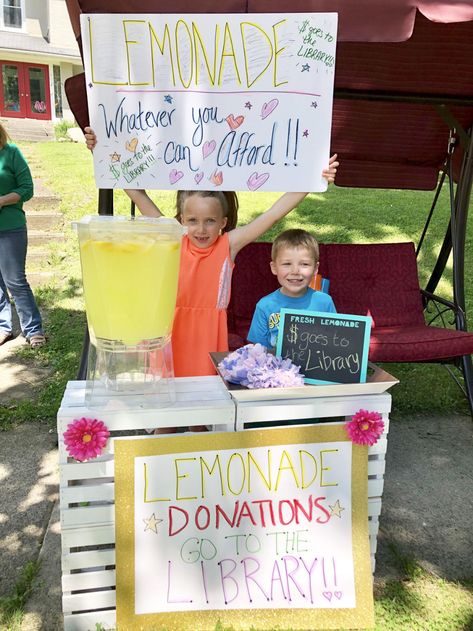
(130, 270)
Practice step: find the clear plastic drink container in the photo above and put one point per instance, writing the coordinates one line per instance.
(130, 271)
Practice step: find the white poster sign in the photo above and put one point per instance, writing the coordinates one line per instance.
(243, 524)
(209, 101)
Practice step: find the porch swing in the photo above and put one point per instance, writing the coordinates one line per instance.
(393, 127)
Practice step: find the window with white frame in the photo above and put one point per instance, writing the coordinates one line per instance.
(13, 13)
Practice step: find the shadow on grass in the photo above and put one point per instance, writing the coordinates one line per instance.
(418, 600)
(37, 378)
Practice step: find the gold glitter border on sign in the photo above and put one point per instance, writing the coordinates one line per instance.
(126, 450)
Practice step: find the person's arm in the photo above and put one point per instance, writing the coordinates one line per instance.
(239, 237)
(23, 189)
(9, 199)
(144, 203)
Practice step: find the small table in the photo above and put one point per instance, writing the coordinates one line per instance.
(87, 488)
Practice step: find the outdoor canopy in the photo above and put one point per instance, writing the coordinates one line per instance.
(403, 96)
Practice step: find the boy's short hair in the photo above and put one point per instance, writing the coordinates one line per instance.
(295, 238)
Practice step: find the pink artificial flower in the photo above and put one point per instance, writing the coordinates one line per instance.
(85, 438)
(365, 427)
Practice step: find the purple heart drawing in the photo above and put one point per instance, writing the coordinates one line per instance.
(327, 595)
(255, 180)
(338, 595)
(198, 177)
(175, 176)
(269, 107)
(208, 147)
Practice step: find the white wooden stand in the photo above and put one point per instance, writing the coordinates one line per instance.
(87, 489)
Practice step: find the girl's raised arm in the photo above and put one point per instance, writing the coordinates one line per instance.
(145, 204)
(243, 235)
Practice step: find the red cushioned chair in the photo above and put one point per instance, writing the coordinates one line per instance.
(379, 280)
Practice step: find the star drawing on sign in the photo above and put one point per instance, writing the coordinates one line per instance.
(115, 157)
(152, 523)
(314, 104)
(168, 98)
(248, 105)
(305, 133)
(305, 68)
(91, 85)
(336, 509)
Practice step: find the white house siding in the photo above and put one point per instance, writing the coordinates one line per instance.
(36, 18)
(61, 34)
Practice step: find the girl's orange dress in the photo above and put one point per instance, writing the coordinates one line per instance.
(200, 319)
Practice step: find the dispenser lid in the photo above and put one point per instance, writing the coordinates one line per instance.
(119, 223)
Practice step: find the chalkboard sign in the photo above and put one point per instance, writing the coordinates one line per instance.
(329, 347)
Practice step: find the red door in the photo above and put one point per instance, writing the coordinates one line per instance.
(24, 90)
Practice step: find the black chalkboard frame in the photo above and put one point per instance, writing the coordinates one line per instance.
(323, 324)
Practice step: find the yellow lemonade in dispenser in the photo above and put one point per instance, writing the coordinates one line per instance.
(130, 270)
(130, 287)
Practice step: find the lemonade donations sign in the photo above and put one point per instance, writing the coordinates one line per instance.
(263, 528)
(228, 102)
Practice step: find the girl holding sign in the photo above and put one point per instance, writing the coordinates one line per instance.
(207, 259)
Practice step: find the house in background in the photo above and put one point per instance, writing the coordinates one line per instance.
(38, 52)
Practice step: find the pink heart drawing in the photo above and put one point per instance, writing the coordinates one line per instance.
(175, 176)
(327, 595)
(234, 123)
(255, 180)
(208, 147)
(269, 107)
(216, 178)
(198, 177)
(338, 595)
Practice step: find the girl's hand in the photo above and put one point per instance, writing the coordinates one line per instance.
(90, 138)
(329, 173)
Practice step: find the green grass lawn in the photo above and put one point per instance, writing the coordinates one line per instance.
(417, 601)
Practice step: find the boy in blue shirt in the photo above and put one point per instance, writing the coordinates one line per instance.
(295, 261)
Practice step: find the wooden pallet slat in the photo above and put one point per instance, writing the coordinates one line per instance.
(88, 580)
(88, 621)
(99, 599)
(87, 560)
(92, 536)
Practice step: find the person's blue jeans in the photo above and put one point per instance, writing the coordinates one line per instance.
(13, 245)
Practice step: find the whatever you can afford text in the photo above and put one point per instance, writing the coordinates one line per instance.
(329, 348)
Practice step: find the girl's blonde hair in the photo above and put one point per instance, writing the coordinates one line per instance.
(4, 137)
(228, 201)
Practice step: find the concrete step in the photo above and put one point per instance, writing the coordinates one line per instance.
(38, 220)
(36, 279)
(38, 237)
(35, 257)
(28, 129)
(42, 202)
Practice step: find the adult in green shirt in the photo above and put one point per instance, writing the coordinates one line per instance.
(16, 187)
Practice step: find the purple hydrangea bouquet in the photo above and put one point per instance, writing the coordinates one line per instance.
(252, 366)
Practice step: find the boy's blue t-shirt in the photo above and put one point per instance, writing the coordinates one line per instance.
(265, 323)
